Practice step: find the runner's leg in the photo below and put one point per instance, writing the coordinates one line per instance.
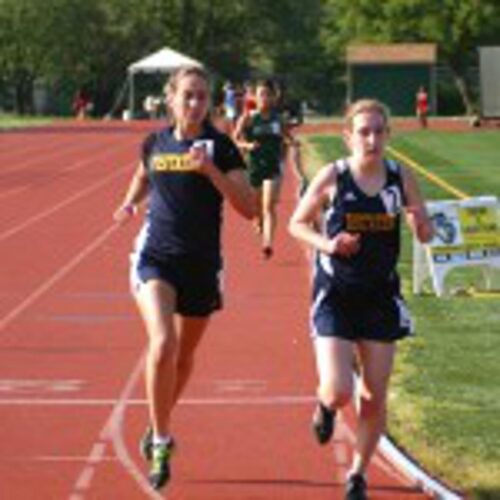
(334, 358)
(156, 301)
(269, 219)
(190, 331)
(376, 362)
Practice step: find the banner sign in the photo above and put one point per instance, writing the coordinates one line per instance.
(467, 232)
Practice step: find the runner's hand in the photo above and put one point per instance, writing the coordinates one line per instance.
(200, 159)
(345, 244)
(419, 223)
(124, 213)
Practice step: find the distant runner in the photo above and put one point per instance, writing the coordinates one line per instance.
(264, 136)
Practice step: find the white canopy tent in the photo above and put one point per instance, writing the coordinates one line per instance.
(165, 60)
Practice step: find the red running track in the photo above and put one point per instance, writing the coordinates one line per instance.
(71, 344)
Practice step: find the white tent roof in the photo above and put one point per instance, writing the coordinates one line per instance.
(163, 61)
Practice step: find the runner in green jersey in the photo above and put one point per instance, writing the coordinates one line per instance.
(263, 135)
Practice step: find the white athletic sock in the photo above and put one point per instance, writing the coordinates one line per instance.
(161, 440)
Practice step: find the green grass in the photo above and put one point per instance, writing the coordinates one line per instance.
(467, 160)
(8, 121)
(445, 392)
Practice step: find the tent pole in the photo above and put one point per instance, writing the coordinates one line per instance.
(131, 96)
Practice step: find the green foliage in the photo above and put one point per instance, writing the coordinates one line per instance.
(287, 45)
(71, 43)
(90, 44)
(458, 27)
(22, 46)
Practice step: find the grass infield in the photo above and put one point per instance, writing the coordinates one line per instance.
(9, 121)
(444, 403)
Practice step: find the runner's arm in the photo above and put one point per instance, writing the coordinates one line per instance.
(233, 185)
(239, 134)
(416, 214)
(137, 191)
(303, 223)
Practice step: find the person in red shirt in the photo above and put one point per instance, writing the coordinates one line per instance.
(249, 99)
(81, 105)
(422, 106)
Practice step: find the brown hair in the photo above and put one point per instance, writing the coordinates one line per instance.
(366, 105)
(173, 82)
(267, 84)
(180, 73)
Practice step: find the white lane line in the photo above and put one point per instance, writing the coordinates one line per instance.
(14, 151)
(113, 431)
(37, 386)
(85, 478)
(34, 157)
(45, 213)
(71, 458)
(62, 172)
(412, 470)
(73, 146)
(61, 273)
(279, 400)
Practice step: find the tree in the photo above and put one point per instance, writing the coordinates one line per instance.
(22, 54)
(74, 44)
(220, 34)
(285, 43)
(458, 27)
(71, 44)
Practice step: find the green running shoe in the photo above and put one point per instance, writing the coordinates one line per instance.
(159, 474)
(146, 445)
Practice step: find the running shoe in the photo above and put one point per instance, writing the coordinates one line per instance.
(267, 252)
(146, 445)
(355, 488)
(323, 423)
(159, 474)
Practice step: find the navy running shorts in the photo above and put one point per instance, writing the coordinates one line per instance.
(197, 282)
(378, 317)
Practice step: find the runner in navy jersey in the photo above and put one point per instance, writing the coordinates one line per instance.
(357, 309)
(186, 172)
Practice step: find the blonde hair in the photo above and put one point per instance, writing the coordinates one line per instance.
(363, 106)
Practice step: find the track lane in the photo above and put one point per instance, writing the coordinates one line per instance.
(243, 424)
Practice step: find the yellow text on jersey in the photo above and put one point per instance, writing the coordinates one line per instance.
(172, 162)
(369, 223)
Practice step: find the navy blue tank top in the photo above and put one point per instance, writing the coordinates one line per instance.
(184, 214)
(377, 220)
